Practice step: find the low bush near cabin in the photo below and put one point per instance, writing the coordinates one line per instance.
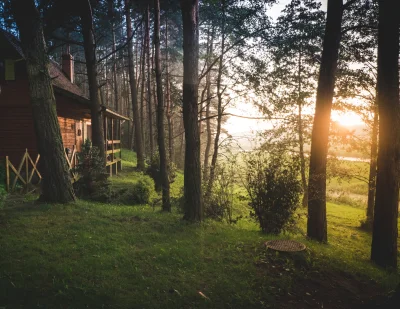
(93, 179)
(140, 193)
(274, 189)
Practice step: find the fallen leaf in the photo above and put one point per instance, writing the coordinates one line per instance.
(202, 295)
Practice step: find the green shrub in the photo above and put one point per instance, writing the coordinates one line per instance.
(178, 201)
(219, 204)
(274, 190)
(153, 170)
(140, 193)
(93, 179)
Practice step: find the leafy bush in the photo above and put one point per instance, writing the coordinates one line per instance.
(274, 189)
(93, 178)
(219, 204)
(140, 193)
(178, 201)
(153, 170)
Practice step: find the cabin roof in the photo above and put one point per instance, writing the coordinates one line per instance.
(16, 44)
(61, 84)
(58, 77)
(60, 81)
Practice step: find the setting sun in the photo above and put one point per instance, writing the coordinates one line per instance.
(346, 118)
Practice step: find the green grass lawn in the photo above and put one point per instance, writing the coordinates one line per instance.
(93, 255)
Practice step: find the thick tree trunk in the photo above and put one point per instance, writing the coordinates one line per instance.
(372, 169)
(56, 184)
(385, 232)
(182, 145)
(166, 205)
(132, 84)
(91, 68)
(192, 182)
(316, 223)
(150, 107)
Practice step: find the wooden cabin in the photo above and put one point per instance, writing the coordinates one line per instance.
(73, 108)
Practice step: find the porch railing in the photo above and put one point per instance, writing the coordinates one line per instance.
(27, 173)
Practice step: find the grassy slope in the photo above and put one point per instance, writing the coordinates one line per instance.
(99, 255)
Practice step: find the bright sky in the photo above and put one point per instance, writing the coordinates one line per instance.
(347, 118)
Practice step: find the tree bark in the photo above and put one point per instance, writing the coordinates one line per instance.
(208, 127)
(385, 232)
(301, 137)
(56, 184)
(142, 80)
(166, 205)
(372, 169)
(132, 84)
(208, 107)
(111, 15)
(219, 107)
(316, 223)
(150, 107)
(192, 171)
(168, 98)
(91, 68)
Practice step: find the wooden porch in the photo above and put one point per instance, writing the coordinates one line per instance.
(112, 140)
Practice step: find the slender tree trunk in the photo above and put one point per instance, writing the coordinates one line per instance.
(91, 68)
(111, 15)
(316, 223)
(56, 184)
(116, 99)
(301, 137)
(372, 169)
(149, 95)
(219, 107)
(208, 106)
(208, 127)
(192, 172)
(385, 232)
(168, 98)
(142, 90)
(132, 83)
(166, 205)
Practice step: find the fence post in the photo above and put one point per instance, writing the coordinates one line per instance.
(26, 170)
(7, 175)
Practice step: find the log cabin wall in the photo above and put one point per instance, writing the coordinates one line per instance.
(67, 127)
(16, 133)
(16, 122)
